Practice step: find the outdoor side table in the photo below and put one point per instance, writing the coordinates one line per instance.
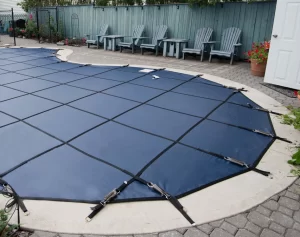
(111, 44)
(173, 47)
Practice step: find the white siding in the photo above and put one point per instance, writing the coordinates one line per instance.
(8, 4)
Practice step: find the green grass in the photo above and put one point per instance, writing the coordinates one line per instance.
(293, 118)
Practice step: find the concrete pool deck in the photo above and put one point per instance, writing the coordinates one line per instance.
(239, 72)
(143, 217)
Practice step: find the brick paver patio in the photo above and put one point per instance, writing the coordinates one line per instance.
(278, 216)
(240, 72)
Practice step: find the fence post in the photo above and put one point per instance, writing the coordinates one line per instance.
(50, 37)
(37, 24)
(56, 16)
(13, 25)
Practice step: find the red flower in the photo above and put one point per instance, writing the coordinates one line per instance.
(296, 92)
(267, 45)
(259, 52)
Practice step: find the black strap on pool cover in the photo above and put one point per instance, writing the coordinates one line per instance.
(271, 135)
(265, 173)
(238, 162)
(109, 197)
(262, 109)
(115, 192)
(173, 200)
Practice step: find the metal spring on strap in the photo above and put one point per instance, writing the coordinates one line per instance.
(172, 200)
(110, 196)
(235, 161)
(158, 189)
(262, 109)
(271, 135)
(234, 88)
(243, 164)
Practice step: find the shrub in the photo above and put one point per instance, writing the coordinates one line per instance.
(31, 28)
(5, 229)
(294, 119)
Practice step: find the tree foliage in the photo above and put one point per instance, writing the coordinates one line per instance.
(28, 4)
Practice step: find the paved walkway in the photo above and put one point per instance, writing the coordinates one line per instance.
(240, 72)
(279, 216)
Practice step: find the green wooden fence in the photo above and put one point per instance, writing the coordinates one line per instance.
(254, 19)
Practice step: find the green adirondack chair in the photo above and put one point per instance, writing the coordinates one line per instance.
(202, 38)
(135, 39)
(99, 37)
(158, 36)
(229, 44)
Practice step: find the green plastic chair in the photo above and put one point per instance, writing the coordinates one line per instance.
(159, 35)
(99, 40)
(135, 39)
(229, 44)
(202, 38)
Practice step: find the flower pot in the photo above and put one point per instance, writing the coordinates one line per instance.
(258, 69)
(298, 96)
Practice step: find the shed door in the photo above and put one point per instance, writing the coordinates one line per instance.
(283, 67)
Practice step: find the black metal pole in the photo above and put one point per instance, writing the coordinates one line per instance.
(56, 19)
(19, 218)
(50, 39)
(37, 24)
(13, 25)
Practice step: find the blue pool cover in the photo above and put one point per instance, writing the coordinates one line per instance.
(75, 132)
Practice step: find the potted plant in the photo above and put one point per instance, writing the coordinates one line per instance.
(258, 57)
